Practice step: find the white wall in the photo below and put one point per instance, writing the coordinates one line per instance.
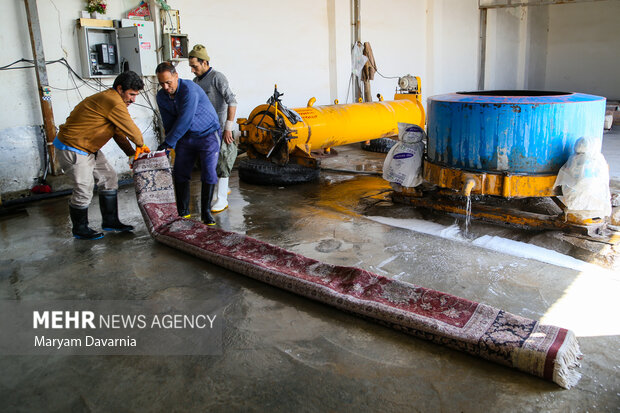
(304, 47)
(258, 45)
(57, 20)
(535, 59)
(293, 46)
(20, 113)
(434, 39)
(562, 47)
(516, 48)
(397, 35)
(584, 48)
(502, 56)
(452, 46)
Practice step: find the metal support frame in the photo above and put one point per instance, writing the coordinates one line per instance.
(356, 35)
(497, 4)
(443, 202)
(38, 55)
(482, 48)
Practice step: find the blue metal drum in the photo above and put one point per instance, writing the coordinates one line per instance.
(520, 132)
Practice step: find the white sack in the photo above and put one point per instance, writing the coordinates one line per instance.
(403, 163)
(584, 180)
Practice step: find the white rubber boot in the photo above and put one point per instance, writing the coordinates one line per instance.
(222, 196)
(214, 201)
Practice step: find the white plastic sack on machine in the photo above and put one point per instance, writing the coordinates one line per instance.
(403, 163)
(584, 180)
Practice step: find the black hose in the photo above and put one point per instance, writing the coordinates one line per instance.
(35, 197)
(49, 195)
(348, 171)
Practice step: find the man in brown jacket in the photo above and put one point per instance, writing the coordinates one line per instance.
(91, 124)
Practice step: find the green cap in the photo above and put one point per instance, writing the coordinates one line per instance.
(200, 52)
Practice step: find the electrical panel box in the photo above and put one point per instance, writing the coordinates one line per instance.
(176, 46)
(137, 49)
(98, 52)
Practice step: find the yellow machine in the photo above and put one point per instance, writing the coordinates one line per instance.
(459, 160)
(285, 136)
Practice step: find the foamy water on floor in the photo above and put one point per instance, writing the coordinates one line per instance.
(495, 243)
(588, 306)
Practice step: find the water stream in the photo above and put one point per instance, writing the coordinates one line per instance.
(467, 216)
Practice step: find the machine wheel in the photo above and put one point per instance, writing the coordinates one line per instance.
(382, 145)
(263, 172)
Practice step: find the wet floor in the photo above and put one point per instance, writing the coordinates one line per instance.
(284, 353)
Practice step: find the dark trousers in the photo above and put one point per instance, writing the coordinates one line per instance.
(206, 149)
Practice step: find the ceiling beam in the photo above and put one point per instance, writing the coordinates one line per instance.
(495, 4)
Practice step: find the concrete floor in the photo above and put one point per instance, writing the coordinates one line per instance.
(283, 353)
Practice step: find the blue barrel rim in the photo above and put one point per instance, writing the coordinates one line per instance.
(533, 97)
(515, 93)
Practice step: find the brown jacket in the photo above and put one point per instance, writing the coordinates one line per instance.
(97, 119)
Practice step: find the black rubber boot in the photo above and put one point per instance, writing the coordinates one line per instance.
(109, 212)
(79, 219)
(206, 197)
(181, 191)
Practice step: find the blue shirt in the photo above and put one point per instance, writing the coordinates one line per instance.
(188, 113)
(60, 145)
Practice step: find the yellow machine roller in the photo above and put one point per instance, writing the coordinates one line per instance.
(284, 136)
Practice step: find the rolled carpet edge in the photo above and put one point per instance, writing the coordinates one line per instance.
(546, 351)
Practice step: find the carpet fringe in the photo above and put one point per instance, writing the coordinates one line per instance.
(566, 362)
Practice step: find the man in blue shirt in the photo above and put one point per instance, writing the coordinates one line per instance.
(193, 130)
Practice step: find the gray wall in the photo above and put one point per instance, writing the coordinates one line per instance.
(583, 52)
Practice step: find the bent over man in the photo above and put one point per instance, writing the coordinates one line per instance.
(223, 99)
(193, 130)
(91, 124)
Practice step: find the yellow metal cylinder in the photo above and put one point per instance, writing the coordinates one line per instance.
(330, 125)
(327, 126)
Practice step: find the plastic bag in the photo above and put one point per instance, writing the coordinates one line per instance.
(403, 163)
(584, 180)
(358, 60)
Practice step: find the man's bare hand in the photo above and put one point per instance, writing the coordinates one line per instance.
(228, 137)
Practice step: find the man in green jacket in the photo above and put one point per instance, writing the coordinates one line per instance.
(91, 124)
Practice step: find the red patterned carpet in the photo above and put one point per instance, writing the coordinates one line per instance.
(478, 329)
